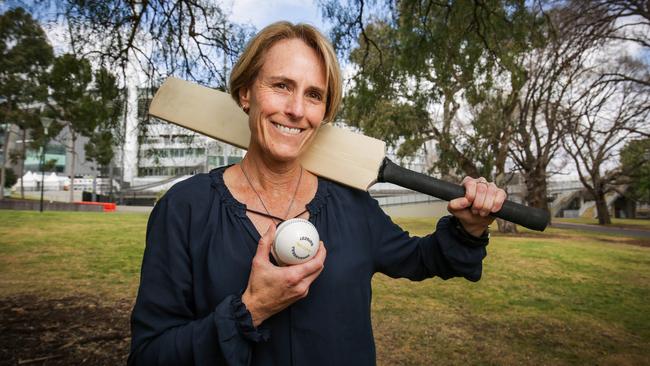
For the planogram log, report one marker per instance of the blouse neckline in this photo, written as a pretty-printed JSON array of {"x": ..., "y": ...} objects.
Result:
[{"x": 239, "y": 209}]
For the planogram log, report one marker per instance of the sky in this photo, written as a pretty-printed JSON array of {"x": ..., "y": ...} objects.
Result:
[
  {"x": 255, "y": 12},
  {"x": 262, "y": 13}
]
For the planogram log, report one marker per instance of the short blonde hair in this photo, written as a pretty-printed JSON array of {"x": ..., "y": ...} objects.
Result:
[{"x": 250, "y": 62}]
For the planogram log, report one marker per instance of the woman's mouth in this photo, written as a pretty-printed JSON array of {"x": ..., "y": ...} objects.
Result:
[{"x": 287, "y": 130}]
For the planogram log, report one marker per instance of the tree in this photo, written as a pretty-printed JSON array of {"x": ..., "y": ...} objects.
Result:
[
  {"x": 635, "y": 165},
  {"x": 85, "y": 104},
  {"x": 145, "y": 41},
  {"x": 188, "y": 38},
  {"x": 629, "y": 21},
  {"x": 104, "y": 136},
  {"x": 551, "y": 73},
  {"x": 608, "y": 115},
  {"x": 25, "y": 56},
  {"x": 419, "y": 67}
]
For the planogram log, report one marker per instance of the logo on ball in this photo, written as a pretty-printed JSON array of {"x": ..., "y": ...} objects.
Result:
[{"x": 296, "y": 241}]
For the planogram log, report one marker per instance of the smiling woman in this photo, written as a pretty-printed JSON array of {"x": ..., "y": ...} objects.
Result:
[{"x": 209, "y": 291}]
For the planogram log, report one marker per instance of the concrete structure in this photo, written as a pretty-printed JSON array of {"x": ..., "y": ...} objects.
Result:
[
  {"x": 568, "y": 198},
  {"x": 33, "y": 205}
]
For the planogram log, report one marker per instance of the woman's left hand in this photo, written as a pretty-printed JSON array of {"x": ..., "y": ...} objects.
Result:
[{"x": 481, "y": 199}]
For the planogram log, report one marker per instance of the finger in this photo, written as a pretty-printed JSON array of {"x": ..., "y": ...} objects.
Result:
[
  {"x": 499, "y": 200},
  {"x": 458, "y": 204},
  {"x": 489, "y": 199},
  {"x": 479, "y": 200},
  {"x": 470, "y": 189},
  {"x": 264, "y": 245},
  {"x": 467, "y": 178},
  {"x": 313, "y": 265},
  {"x": 312, "y": 277}
]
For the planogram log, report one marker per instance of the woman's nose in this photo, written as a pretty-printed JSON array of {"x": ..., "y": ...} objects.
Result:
[{"x": 295, "y": 106}]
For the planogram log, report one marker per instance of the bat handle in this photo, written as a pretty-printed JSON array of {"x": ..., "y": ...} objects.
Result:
[{"x": 530, "y": 217}]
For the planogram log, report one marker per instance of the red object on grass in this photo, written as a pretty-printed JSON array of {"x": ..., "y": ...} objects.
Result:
[{"x": 108, "y": 206}]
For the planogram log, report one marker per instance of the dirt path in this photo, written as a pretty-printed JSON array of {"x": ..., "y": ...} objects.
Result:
[
  {"x": 636, "y": 233},
  {"x": 67, "y": 331}
]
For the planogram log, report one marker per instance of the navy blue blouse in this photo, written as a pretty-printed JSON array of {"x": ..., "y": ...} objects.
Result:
[{"x": 197, "y": 260}]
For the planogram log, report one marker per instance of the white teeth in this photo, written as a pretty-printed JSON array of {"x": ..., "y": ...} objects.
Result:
[{"x": 287, "y": 130}]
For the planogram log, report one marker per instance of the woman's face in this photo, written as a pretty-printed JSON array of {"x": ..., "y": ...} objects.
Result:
[{"x": 287, "y": 100}]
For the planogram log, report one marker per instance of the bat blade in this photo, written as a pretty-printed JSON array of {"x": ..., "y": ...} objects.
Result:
[
  {"x": 343, "y": 156},
  {"x": 203, "y": 110}
]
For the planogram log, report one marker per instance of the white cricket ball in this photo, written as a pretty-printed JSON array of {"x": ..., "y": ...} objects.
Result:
[{"x": 296, "y": 241}]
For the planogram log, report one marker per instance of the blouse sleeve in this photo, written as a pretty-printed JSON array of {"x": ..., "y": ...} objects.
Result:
[
  {"x": 165, "y": 329},
  {"x": 446, "y": 253}
]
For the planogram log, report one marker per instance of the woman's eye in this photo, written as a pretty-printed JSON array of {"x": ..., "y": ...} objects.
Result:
[
  {"x": 281, "y": 86},
  {"x": 315, "y": 95}
]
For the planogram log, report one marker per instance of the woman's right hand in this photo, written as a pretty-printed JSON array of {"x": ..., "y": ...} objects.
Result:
[{"x": 271, "y": 288}]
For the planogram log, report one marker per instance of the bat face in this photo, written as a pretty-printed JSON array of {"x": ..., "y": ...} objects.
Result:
[{"x": 345, "y": 157}]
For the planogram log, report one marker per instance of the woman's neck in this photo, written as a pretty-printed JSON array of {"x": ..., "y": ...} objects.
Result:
[{"x": 271, "y": 176}]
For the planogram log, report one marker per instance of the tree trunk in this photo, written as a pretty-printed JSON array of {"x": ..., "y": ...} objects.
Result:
[
  {"x": 601, "y": 209},
  {"x": 502, "y": 225},
  {"x": 110, "y": 181},
  {"x": 5, "y": 154},
  {"x": 94, "y": 193},
  {"x": 537, "y": 192},
  {"x": 73, "y": 152},
  {"x": 506, "y": 226},
  {"x": 22, "y": 164}
]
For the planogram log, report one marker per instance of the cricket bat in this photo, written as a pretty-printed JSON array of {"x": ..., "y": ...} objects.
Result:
[{"x": 349, "y": 158}]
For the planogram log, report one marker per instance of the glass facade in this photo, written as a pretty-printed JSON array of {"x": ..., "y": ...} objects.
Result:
[{"x": 53, "y": 152}]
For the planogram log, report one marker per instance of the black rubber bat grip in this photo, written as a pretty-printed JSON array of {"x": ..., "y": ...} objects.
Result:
[{"x": 530, "y": 217}]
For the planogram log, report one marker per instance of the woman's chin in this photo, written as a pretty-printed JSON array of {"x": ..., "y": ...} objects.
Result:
[
  {"x": 285, "y": 152},
  {"x": 285, "y": 156}
]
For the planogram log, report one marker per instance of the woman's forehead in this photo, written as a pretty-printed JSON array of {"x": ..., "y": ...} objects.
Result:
[{"x": 293, "y": 59}]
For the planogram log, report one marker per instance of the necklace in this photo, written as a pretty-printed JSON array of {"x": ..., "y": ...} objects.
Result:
[{"x": 268, "y": 214}]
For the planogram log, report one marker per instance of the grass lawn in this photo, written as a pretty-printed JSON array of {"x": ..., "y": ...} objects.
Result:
[{"x": 561, "y": 297}]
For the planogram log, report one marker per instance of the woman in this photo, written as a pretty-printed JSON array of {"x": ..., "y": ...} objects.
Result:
[{"x": 209, "y": 292}]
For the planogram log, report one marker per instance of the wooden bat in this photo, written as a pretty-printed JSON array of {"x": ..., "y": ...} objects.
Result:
[{"x": 346, "y": 157}]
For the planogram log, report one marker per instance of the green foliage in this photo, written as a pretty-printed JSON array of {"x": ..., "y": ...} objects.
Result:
[
  {"x": 88, "y": 103},
  {"x": 49, "y": 165},
  {"x": 103, "y": 139},
  {"x": 100, "y": 148},
  {"x": 419, "y": 64},
  {"x": 25, "y": 56},
  {"x": 70, "y": 81},
  {"x": 10, "y": 178},
  {"x": 635, "y": 164}
]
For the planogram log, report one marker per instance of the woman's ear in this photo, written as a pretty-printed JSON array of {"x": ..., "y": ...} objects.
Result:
[{"x": 244, "y": 99}]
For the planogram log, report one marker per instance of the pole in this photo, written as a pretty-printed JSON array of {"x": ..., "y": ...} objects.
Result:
[
  {"x": 46, "y": 123},
  {"x": 5, "y": 157},
  {"x": 94, "y": 195},
  {"x": 43, "y": 174}
]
